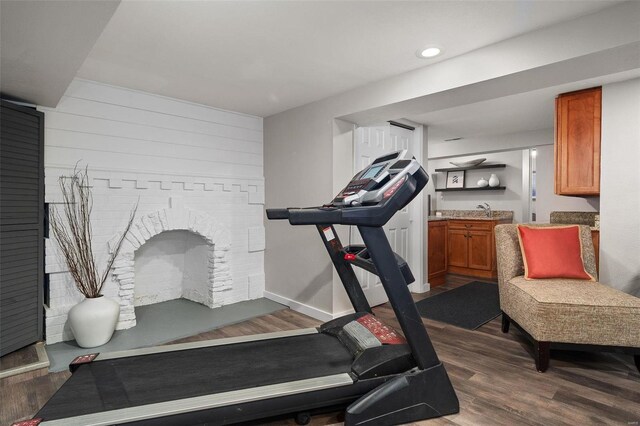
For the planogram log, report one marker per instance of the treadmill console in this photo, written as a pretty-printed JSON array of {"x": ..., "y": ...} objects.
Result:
[
  {"x": 377, "y": 181},
  {"x": 372, "y": 197}
]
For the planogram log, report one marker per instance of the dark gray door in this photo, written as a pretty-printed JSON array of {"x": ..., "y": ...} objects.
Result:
[{"x": 21, "y": 226}]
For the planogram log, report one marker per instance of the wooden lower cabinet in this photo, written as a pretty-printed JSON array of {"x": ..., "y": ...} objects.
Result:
[
  {"x": 461, "y": 246},
  {"x": 480, "y": 253},
  {"x": 458, "y": 248},
  {"x": 472, "y": 249},
  {"x": 438, "y": 252}
]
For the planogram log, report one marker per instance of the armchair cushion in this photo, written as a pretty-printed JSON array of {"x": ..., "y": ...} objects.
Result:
[
  {"x": 553, "y": 252},
  {"x": 573, "y": 311}
]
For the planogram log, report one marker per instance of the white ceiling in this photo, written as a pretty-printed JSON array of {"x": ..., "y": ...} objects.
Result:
[
  {"x": 510, "y": 114},
  {"x": 43, "y": 43},
  {"x": 263, "y": 57},
  {"x": 522, "y": 112}
]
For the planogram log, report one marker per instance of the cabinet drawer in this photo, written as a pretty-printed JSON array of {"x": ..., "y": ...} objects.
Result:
[{"x": 472, "y": 225}]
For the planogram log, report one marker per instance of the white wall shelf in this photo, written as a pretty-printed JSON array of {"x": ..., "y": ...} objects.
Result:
[
  {"x": 485, "y": 188},
  {"x": 481, "y": 166}
]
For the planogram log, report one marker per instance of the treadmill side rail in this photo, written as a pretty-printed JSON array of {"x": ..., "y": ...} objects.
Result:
[
  {"x": 204, "y": 344},
  {"x": 187, "y": 405}
]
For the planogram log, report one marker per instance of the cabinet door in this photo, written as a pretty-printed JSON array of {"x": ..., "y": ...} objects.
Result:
[
  {"x": 21, "y": 226},
  {"x": 480, "y": 253},
  {"x": 458, "y": 248},
  {"x": 437, "y": 248},
  {"x": 577, "y": 147}
]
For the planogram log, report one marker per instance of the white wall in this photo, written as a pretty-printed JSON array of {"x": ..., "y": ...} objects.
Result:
[
  {"x": 173, "y": 156},
  {"x": 510, "y": 176},
  {"x": 620, "y": 187},
  {"x": 546, "y": 199},
  {"x": 299, "y": 143},
  {"x": 298, "y": 166}
]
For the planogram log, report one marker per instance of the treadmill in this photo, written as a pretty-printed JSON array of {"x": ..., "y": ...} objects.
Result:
[{"x": 355, "y": 362}]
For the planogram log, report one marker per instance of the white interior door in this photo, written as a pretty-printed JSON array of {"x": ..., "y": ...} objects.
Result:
[{"x": 370, "y": 143}]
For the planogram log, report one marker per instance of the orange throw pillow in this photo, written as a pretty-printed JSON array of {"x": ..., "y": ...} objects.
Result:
[{"x": 554, "y": 252}]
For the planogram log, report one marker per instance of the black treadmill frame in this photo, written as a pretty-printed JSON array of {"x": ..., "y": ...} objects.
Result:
[
  {"x": 344, "y": 269},
  {"x": 420, "y": 393}
]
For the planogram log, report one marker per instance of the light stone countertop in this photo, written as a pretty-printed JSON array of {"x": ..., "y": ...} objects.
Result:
[
  {"x": 436, "y": 218},
  {"x": 574, "y": 218},
  {"x": 472, "y": 215}
]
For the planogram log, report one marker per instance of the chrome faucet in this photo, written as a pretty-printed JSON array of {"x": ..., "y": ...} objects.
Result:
[{"x": 486, "y": 207}]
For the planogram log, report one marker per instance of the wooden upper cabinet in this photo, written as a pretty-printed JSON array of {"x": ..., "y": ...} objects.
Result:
[{"x": 577, "y": 145}]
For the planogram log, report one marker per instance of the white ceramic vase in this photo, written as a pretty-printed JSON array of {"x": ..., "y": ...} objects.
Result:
[
  {"x": 493, "y": 180},
  {"x": 93, "y": 321},
  {"x": 482, "y": 183}
]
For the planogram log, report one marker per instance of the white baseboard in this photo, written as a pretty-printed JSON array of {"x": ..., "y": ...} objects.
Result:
[
  {"x": 343, "y": 313},
  {"x": 311, "y": 311},
  {"x": 319, "y": 314},
  {"x": 417, "y": 288}
]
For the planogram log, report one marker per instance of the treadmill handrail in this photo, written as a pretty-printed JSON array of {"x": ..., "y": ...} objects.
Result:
[
  {"x": 307, "y": 215},
  {"x": 277, "y": 214}
]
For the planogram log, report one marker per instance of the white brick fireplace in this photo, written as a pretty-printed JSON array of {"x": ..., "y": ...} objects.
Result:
[
  {"x": 219, "y": 280},
  {"x": 193, "y": 169}
]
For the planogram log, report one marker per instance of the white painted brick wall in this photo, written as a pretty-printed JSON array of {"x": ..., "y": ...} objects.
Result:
[
  {"x": 256, "y": 238},
  {"x": 202, "y": 168}
]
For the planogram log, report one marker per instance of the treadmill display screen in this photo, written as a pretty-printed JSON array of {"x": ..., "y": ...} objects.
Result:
[{"x": 372, "y": 172}]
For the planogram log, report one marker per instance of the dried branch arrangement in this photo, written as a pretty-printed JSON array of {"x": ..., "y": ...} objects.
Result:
[{"x": 71, "y": 225}]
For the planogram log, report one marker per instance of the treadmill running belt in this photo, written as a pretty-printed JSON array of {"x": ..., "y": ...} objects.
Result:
[{"x": 139, "y": 380}]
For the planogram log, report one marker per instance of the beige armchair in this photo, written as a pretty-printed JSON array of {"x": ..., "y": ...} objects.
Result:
[{"x": 564, "y": 313}]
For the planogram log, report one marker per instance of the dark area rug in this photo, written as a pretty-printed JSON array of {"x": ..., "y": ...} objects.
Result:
[{"x": 469, "y": 306}]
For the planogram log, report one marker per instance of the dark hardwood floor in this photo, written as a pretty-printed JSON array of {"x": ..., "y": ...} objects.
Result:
[{"x": 493, "y": 374}]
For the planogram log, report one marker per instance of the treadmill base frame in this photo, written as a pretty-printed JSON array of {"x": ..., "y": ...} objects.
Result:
[{"x": 416, "y": 395}]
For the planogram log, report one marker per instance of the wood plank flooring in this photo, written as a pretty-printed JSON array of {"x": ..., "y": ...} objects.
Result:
[
  {"x": 19, "y": 358},
  {"x": 493, "y": 374}
]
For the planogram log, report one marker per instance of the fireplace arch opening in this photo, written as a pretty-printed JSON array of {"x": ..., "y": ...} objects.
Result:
[
  {"x": 172, "y": 265},
  {"x": 196, "y": 228}
]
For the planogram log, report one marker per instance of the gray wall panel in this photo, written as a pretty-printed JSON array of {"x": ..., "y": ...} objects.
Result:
[{"x": 21, "y": 226}]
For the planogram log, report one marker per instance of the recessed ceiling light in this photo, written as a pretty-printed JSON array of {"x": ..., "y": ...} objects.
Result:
[{"x": 429, "y": 52}]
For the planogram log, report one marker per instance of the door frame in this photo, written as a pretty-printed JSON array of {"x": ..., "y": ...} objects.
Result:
[{"x": 418, "y": 245}]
